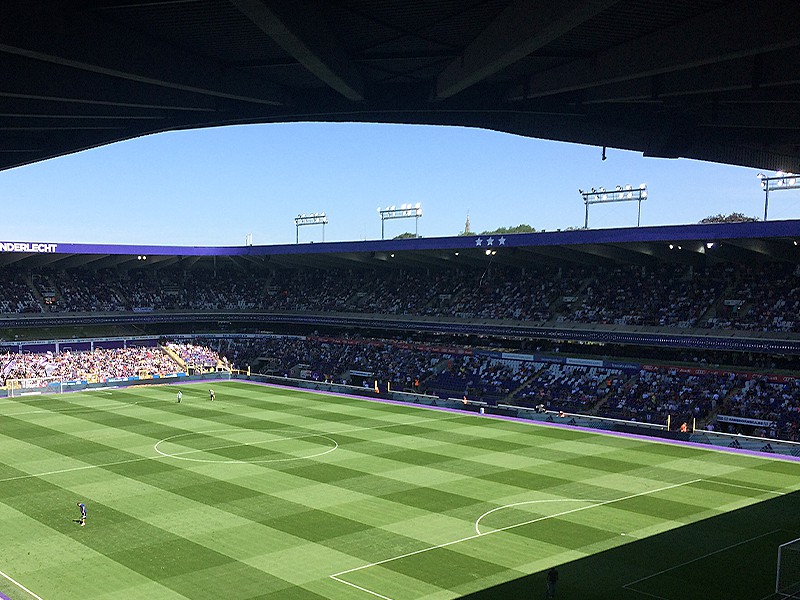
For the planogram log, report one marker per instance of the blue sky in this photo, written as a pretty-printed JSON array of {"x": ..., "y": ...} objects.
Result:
[{"x": 214, "y": 186}]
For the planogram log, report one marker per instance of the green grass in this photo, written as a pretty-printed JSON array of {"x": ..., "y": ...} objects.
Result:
[{"x": 272, "y": 494}]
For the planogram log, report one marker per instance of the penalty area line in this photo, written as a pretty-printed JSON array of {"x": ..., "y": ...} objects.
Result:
[
  {"x": 628, "y": 586},
  {"x": 337, "y": 576},
  {"x": 358, "y": 587},
  {"x": 20, "y": 586}
]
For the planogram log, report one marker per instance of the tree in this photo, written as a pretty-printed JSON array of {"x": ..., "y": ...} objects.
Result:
[
  {"x": 731, "y": 218},
  {"x": 522, "y": 228},
  {"x": 405, "y": 236}
]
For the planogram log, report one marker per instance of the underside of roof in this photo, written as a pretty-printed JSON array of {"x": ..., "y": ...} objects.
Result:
[{"x": 714, "y": 80}]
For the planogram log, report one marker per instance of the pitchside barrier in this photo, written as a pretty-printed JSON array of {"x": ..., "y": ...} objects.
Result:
[{"x": 745, "y": 442}]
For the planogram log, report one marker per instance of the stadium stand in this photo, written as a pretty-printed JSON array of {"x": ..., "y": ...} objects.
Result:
[
  {"x": 101, "y": 363},
  {"x": 736, "y": 297},
  {"x": 712, "y": 388}
]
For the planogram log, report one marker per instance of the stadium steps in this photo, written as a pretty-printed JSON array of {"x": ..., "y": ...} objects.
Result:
[
  {"x": 557, "y": 306},
  {"x": 510, "y": 399},
  {"x": 34, "y": 289},
  {"x": 174, "y": 356},
  {"x": 728, "y": 292}
]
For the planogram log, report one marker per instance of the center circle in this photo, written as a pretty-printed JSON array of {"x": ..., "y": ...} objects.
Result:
[{"x": 295, "y": 446}]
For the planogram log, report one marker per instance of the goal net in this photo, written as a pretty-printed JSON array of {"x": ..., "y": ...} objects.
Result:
[
  {"x": 34, "y": 385},
  {"x": 787, "y": 580}
]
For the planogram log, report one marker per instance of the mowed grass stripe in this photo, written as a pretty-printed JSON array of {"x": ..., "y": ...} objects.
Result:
[
  {"x": 391, "y": 489},
  {"x": 155, "y": 553}
]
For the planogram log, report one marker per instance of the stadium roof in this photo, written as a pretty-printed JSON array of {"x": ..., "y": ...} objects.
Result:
[
  {"x": 714, "y": 80},
  {"x": 688, "y": 244}
]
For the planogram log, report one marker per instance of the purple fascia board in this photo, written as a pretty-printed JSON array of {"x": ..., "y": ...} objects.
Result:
[{"x": 670, "y": 233}]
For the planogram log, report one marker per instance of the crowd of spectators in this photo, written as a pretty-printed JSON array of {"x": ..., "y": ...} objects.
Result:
[
  {"x": 665, "y": 296},
  {"x": 653, "y": 394},
  {"x": 197, "y": 355},
  {"x": 484, "y": 379},
  {"x": 401, "y": 364},
  {"x": 569, "y": 388},
  {"x": 75, "y": 365},
  {"x": 774, "y": 401},
  {"x": 16, "y": 295},
  {"x": 763, "y": 297}
]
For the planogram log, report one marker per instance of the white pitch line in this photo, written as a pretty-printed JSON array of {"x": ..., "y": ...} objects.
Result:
[
  {"x": 336, "y": 576},
  {"x": 688, "y": 562},
  {"x": 20, "y": 586},
  {"x": 505, "y": 506},
  {"x": 181, "y": 455},
  {"x": 358, "y": 587},
  {"x": 647, "y": 594},
  {"x": 82, "y": 468},
  {"x": 747, "y": 487}
]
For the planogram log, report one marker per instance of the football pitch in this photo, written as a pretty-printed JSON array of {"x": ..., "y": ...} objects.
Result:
[{"x": 273, "y": 493}]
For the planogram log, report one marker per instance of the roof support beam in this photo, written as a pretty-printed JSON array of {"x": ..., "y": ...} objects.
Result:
[
  {"x": 522, "y": 28},
  {"x": 759, "y": 117},
  {"x": 46, "y": 82},
  {"x": 51, "y": 33},
  {"x": 759, "y": 27},
  {"x": 34, "y": 109},
  {"x": 752, "y": 73},
  {"x": 12, "y": 143},
  {"x": 309, "y": 41}
]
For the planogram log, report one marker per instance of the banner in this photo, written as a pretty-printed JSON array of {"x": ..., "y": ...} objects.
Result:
[
  {"x": 745, "y": 421},
  {"x": 27, "y": 247}
]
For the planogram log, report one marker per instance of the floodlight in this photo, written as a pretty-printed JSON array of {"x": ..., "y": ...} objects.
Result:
[
  {"x": 618, "y": 194},
  {"x": 314, "y": 218},
  {"x": 783, "y": 180},
  {"x": 405, "y": 211}
]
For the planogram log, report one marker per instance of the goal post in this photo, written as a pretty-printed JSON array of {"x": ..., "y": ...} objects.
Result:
[
  {"x": 34, "y": 385},
  {"x": 787, "y": 577}
]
